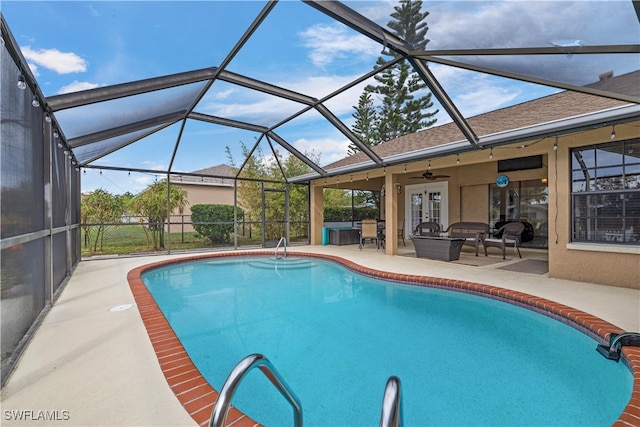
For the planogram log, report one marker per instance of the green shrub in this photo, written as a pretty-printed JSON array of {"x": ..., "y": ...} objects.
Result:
[
  {"x": 343, "y": 214},
  {"x": 217, "y": 219}
]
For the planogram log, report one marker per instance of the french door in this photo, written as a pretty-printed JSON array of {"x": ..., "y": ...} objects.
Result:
[{"x": 426, "y": 202}]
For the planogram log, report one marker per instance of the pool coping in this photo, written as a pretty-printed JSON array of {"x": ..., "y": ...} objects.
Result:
[{"x": 198, "y": 397}]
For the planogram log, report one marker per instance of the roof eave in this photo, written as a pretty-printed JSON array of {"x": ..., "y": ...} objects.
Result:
[{"x": 557, "y": 127}]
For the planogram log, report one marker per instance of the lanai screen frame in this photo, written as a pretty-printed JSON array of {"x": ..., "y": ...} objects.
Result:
[{"x": 55, "y": 229}]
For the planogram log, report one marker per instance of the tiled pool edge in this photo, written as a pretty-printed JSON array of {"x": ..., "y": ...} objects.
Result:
[{"x": 198, "y": 397}]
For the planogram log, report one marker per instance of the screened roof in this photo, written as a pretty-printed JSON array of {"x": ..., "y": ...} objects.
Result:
[{"x": 185, "y": 84}]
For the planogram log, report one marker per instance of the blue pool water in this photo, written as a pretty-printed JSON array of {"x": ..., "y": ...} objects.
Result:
[{"x": 337, "y": 336}]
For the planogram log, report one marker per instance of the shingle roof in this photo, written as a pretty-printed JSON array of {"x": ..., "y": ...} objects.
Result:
[
  {"x": 210, "y": 175},
  {"x": 547, "y": 109}
]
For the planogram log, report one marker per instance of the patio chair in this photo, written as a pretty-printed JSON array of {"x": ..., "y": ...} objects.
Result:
[
  {"x": 401, "y": 233},
  {"x": 511, "y": 233},
  {"x": 428, "y": 229},
  {"x": 369, "y": 231}
]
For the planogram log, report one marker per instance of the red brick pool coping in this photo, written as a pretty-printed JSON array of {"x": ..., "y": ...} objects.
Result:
[{"x": 198, "y": 397}]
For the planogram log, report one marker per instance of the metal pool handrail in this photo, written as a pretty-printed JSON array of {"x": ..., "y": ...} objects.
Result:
[
  {"x": 282, "y": 240},
  {"x": 221, "y": 408},
  {"x": 392, "y": 404}
]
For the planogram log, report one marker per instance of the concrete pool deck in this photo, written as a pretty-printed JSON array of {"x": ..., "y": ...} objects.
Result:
[{"x": 89, "y": 366}]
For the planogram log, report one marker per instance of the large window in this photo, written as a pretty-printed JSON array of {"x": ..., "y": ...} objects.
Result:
[
  {"x": 605, "y": 193},
  {"x": 524, "y": 201}
]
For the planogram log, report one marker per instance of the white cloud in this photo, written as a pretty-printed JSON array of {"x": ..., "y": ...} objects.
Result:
[
  {"x": 142, "y": 180},
  {"x": 330, "y": 149},
  {"x": 518, "y": 24},
  {"x": 224, "y": 94},
  {"x": 475, "y": 93},
  {"x": 154, "y": 165},
  {"x": 77, "y": 86},
  {"x": 53, "y": 59},
  {"x": 331, "y": 42},
  {"x": 34, "y": 69}
]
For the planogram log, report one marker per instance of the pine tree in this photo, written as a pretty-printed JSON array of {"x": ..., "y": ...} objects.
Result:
[
  {"x": 400, "y": 112},
  {"x": 365, "y": 126}
]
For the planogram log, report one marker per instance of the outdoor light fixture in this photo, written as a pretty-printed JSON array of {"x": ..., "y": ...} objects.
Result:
[
  {"x": 55, "y": 133},
  {"x": 35, "y": 101},
  {"x": 458, "y": 159},
  {"x": 398, "y": 188},
  {"x": 429, "y": 165},
  {"x": 47, "y": 118},
  {"x": 613, "y": 132},
  {"x": 21, "y": 83},
  {"x": 59, "y": 144},
  {"x": 491, "y": 153}
]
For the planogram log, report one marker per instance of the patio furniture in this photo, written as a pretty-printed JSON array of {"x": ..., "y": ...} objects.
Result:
[
  {"x": 442, "y": 248},
  {"x": 401, "y": 233},
  {"x": 369, "y": 231},
  {"x": 474, "y": 233},
  {"x": 510, "y": 234},
  {"x": 428, "y": 228},
  {"x": 344, "y": 236}
]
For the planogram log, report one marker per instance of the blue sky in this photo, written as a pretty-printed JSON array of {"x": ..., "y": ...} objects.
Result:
[{"x": 80, "y": 45}]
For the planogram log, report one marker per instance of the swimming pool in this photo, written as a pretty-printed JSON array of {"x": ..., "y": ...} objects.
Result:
[{"x": 443, "y": 376}]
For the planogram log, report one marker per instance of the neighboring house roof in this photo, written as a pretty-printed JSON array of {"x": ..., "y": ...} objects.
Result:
[
  {"x": 547, "y": 109},
  {"x": 221, "y": 175}
]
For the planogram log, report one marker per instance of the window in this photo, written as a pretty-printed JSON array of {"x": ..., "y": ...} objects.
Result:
[
  {"x": 605, "y": 193},
  {"x": 524, "y": 201}
]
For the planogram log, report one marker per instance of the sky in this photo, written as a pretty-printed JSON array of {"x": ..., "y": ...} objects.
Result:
[{"x": 78, "y": 45}]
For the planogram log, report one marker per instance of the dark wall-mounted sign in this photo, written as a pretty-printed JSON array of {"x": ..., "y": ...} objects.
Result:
[{"x": 520, "y": 164}]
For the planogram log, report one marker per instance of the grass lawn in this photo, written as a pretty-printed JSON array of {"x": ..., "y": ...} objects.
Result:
[{"x": 127, "y": 239}]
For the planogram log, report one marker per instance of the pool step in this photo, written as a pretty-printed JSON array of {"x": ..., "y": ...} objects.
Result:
[{"x": 282, "y": 263}]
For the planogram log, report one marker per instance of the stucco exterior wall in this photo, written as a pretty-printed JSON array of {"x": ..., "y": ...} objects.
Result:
[
  {"x": 615, "y": 265},
  {"x": 202, "y": 195},
  {"x": 468, "y": 187}
]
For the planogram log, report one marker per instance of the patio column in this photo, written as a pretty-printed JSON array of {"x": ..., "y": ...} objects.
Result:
[
  {"x": 391, "y": 213},
  {"x": 317, "y": 213}
]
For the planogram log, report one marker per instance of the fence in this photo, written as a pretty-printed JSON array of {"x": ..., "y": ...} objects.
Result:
[{"x": 134, "y": 235}]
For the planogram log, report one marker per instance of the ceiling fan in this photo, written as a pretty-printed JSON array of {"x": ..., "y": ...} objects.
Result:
[{"x": 428, "y": 175}]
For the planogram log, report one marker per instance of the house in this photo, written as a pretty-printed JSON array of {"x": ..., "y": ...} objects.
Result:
[
  {"x": 211, "y": 186},
  {"x": 569, "y": 163}
]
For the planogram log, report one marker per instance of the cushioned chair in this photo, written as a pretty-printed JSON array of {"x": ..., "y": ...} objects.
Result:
[
  {"x": 369, "y": 231},
  {"x": 428, "y": 229},
  {"x": 510, "y": 233}
]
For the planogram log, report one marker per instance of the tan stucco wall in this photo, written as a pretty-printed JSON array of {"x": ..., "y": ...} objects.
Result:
[
  {"x": 468, "y": 200},
  {"x": 604, "y": 264},
  {"x": 202, "y": 195},
  {"x": 474, "y": 201}
]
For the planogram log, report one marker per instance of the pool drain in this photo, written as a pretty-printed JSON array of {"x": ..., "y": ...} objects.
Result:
[{"x": 121, "y": 307}]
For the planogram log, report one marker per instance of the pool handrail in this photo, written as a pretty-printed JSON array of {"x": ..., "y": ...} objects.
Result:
[
  {"x": 392, "y": 404},
  {"x": 221, "y": 408},
  {"x": 282, "y": 240}
]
